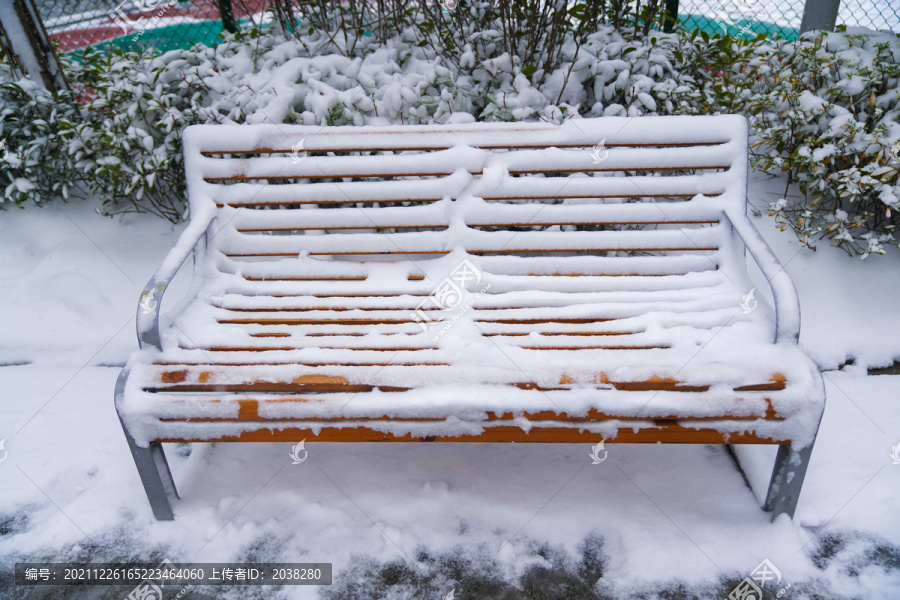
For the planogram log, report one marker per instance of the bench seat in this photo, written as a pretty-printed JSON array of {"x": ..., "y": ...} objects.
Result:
[{"x": 433, "y": 284}]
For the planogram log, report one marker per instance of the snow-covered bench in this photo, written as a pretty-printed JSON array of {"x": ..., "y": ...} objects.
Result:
[{"x": 520, "y": 282}]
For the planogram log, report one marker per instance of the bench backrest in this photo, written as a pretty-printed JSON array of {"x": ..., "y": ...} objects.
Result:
[{"x": 649, "y": 188}]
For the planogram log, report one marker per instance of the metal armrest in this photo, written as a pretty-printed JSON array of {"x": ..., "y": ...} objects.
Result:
[
  {"x": 148, "y": 307},
  {"x": 787, "y": 303}
]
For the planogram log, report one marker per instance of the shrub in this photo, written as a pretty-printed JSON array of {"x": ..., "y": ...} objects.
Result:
[
  {"x": 117, "y": 135},
  {"x": 35, "y": 127},
  {"x": 127, "y": 146},
  {"x": 826, "y": 110}
]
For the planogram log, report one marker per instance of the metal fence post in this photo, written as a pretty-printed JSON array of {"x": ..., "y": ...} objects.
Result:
[
  {"x": 25, "y": 40},
  {"x": 228, "y": 22},
  {"x": 819, "y": 15},
  {"x": 671, "y": 16}
]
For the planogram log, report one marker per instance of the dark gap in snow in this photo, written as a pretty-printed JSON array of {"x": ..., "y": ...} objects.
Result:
[{"x": 893, "y": 369}]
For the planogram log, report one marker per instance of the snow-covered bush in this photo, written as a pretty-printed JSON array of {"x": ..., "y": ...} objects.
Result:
[
  {"x": 826, "y": 110},
  {"x": 120, "y": 135},
  {"x": 34, "y": 128},
  {"x": 535, "y": 32},
  {"x": 126, "y": 146}
]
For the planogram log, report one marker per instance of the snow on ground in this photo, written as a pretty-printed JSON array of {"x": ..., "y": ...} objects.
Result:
[{"x": 416, "y": 520}]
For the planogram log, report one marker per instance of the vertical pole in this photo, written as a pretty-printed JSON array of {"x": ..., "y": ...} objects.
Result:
[
  {"x": 819, "y": 15},
  {"x": 787, "y": 480},
  {"x": 152, "y": 466},
  {"x": 26, "y": 43},
  {"x": 671, "y": 15},
  {"x": 227, "y": 13}
]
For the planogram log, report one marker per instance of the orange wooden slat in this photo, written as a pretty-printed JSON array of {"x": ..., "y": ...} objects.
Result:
[
  {"x": 330, "y": 347},
  {"x": 427, "y": 147},
  {"x": 560, "y": 333},
  {"x": 249, "y": 411},
  {"x": 478, "y": 251},
  {"x": 591, "y": 196},
  {"x": 442, "y": 227},
  {"x": 321, "y": 174},
  {"x": 571, "y": 348},
  {"x": 662, "y": 432}
]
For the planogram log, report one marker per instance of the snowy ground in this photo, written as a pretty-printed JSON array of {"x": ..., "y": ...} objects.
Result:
[{"x": 415, "y": 521}]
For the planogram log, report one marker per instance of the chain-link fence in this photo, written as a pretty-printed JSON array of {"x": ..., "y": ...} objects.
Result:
[
  {"x": 873, "y": 14},
  {"x": 133, "y": 24},
  {"x": 167, "y": 24},
  {"x": 780, "y": 17}
]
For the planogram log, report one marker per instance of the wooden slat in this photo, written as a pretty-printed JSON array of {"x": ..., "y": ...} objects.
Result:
[
  {"x": 411, "y": 147},
  {"x": 477, "y": 242},
  {"x": 484, "y": 226},
  {"x": 494, "y": 214},
  {"x": 249, "y": 411},
  {"x": 334, "y": 346},
  {"x": 434, "y": 190},
  {"x": 275, "y": 387},
  {"x": 334, "y": 173},
  {"x": 178, "y": 380},
  {"x": 661, "y": 432},
  {"x": 560, "y": 333},
  {"x": 671, "y": 131},
  {"x": 499, "y": 264},
  {"x": 295, "y": 321},
  {"x": 304, "y": 278},
  {"x": 327, "y": 347},
  {"x": 167, "y": 376},
  {"x": 287, "y": 309},
  {"x": 609, "y": 347},
  {"x": 519, "y": 162},
  {"x": 657, "y": 384}
]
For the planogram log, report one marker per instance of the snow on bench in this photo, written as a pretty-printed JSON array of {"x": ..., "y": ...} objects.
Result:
[{"x": 521, "y": 282}]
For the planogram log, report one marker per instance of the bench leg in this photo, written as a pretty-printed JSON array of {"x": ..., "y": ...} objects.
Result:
[
  {"x": 787, "y": 479},
  {"x": 153, "y": 468}
]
